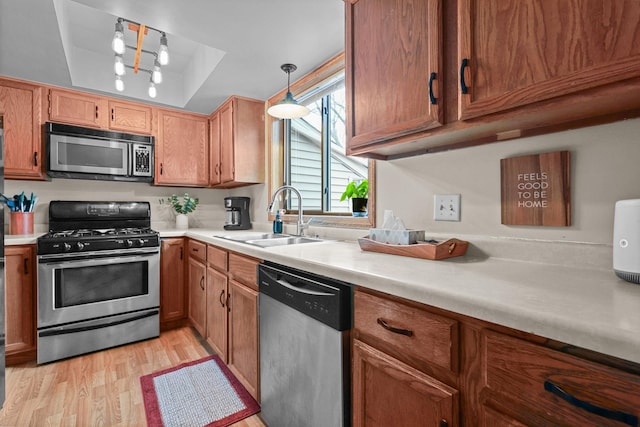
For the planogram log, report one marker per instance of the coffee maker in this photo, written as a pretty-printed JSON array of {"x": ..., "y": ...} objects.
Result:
[{"x": 237, "y": 213}]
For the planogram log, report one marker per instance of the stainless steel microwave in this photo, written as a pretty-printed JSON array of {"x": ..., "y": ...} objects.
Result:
[{"x": 85, "y": 153}]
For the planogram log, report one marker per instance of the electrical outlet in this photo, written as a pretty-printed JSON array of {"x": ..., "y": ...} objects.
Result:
[{"x": 446, "y": 207}]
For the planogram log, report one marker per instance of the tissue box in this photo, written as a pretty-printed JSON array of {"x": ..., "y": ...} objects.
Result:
[{"x": 396, "y": 237}]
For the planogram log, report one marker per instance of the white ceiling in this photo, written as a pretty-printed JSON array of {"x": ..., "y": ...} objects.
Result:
[{"x": 217, "y": 48}]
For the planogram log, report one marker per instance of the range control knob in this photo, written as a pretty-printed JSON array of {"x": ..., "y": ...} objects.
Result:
[
  {"x": 129, "y": 243},
  {"x": 140, "y": 242},
  {"x": 80, "y": 246},
  {"x": 66, "y": 247}
]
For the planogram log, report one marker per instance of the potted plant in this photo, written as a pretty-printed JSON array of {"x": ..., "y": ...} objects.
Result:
[
  {"x": 358, "y": 193},
  {"x": 182, "y": 207}
]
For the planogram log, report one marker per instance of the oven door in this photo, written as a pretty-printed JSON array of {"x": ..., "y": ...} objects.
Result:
[{"x": 81, "y": 287}]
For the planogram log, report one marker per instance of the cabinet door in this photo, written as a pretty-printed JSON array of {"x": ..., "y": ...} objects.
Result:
[
  {"x": 214, "y": 149},
  {"x": 21, "y": 109},
  {"x": 197, "y": 295},
  {"x": 182, "y": 150},
  {"x": 172, "y": 283},
  {"x": 19, "y": 297},
  {"x": 129, "y": 117},
  {"x": 217, "y": 312},
  {"x": 387, "y": 392},
  {"x": 393, "y": 55},
  {"x": 519, "y": 52},
  {"x": 243, "y": 336},
  {"x": 77, "y": 108},
  {"x": 227, "y": 167}
]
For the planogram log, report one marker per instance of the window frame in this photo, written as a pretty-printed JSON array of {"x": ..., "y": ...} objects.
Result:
[{"x": 275, "y": 144}]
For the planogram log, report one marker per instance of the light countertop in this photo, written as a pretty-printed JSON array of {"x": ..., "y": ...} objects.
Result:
[{"x": 586, "y": 307}]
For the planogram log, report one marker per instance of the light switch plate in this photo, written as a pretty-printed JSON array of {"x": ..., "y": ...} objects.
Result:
[{"x": 446, "y": 207}]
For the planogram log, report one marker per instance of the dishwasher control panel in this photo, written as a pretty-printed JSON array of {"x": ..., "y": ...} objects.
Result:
[{"x": 326, "y": 300}]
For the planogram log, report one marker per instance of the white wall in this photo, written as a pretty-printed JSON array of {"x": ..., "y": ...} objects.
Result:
[{"x": 605, "y": 167}]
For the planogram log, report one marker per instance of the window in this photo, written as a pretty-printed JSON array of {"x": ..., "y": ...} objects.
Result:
[
  {"x": 314, "y": 150},
  {"x": 310, "y": 153}
]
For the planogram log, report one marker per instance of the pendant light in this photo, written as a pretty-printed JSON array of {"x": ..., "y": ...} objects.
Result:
[{"x": 288, "y": 108}]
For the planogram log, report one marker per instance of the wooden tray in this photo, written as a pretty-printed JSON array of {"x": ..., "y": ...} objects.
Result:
[{"x": 444, "y": 249}]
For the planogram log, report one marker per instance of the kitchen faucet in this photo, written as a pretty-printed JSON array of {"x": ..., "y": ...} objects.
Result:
[{"x": 301, "y": 225}]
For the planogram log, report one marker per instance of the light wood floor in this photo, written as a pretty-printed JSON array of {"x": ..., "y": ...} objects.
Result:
[{"x": 98, "y": 389}]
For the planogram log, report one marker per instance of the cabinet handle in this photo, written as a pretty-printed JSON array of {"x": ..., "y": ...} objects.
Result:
[
  {"x": 35, "y": 158},
  {"x": 194, "y": 249},
  {"x": 96, "y": 111},
  {"x": 390, "y": 328},
  {"x": 432, "y": 98},
  {"x": 444, "y": 423},
  {"x": 202, "y": 283},
  {"x": 217, "y": 169},
  {"x": 181, "y": 253},
  {"x": 160, "y": 168},
  {"x": 229, "y": 301},
  {"x": 26, "y": 266},
  {"x": 113, "y": 115},
  {"x": 463, "y": 85},
  {"x": 221, "y": 298},
  {"x": 609, "y": 414}
]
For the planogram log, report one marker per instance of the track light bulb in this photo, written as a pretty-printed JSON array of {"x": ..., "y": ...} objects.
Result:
[
  {"x": 156, "y": 74},
  {"x": 118, "y": 66},
  {"x": 119, "y": 84},
  {"x": 163, "y": 52},
  {"x": 117, "y": 44},
  {"x": 152, "y": 90}
]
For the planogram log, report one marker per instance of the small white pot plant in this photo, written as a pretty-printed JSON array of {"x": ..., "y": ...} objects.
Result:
[
  {"x": 358, "y": 193},
  {"x": 182, "y": 207}
]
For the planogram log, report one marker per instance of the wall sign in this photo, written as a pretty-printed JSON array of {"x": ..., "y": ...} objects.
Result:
[{"x": 535, "y": 189}]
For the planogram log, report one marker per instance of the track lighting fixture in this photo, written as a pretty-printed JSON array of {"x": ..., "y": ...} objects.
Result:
[{"x": 161, "y": 57}]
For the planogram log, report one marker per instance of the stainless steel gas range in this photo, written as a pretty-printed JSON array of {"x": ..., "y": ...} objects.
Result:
[{"x": 98, "y": 278}]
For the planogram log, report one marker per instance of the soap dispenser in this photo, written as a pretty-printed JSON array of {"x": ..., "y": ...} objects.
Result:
[{"x": 277, "y": 223}]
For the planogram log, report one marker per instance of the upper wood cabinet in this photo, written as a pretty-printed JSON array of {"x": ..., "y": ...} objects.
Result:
[
  {"x": 182, "y": 149},
  {"x": 237, "y": 143},
  {"x": 77, "y": 108},
  {"x": 503, "y": 69},
  {"x": 518, "y": 54},
  {"x": 393, "y": 68},
  {"x": 21, "y": 110},
  {"x": 130, "y": 117}
]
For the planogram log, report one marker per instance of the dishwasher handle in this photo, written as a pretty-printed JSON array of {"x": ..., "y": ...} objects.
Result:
[
  {"x": 288, "y": 285},
  {"x": 304, "y": 291}
]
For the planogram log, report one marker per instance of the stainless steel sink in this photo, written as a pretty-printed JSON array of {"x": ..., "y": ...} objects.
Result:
[
  {"x": 267, "y": 240},
  {"x": 293, "y": 240}
]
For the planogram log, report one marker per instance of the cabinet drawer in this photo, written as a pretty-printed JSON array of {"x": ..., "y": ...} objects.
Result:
[
  {"x": 197, "y": 250},
  {"x": 408, "y": 330},
  {"x": 538, "y": 382},
  {"x": 244, "y": 270},
  {"x": 217, "y": 258}
]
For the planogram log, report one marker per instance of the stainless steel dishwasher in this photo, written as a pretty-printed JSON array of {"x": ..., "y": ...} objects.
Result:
[{"x": 304, "y": 348}]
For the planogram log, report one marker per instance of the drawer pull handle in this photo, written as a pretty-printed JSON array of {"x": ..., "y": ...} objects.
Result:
[
  {"x": 609, "y": 414},
  {"x": 463, "y": 84},
  {"x": 390, "y": 328},
  {"x": 432, "y": 98}
]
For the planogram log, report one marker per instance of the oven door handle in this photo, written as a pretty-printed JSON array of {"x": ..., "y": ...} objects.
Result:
[
  {"x": 62, "y": 330},
  {"x": 94, "y": 259}
]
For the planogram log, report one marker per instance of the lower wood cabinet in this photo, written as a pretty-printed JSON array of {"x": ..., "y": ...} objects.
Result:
[
  {"x": 415, "y": 365},
  {"x": 388, "y": 392},
  {"x": 20, "y": 304},
  {"x": 196, "y": 282},
  {"x": 173, "y": 307},
  {"x": 243, "y": 354}
]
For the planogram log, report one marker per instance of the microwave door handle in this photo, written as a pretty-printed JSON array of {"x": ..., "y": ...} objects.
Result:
[{"x": 130, "y": 157}]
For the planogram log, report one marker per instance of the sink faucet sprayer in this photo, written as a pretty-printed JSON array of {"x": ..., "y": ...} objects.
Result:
[{"x": 301, "y": 225}]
